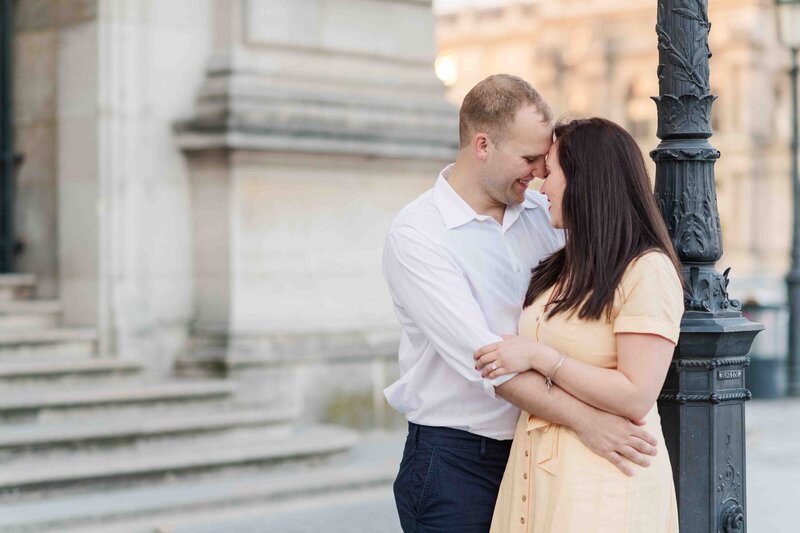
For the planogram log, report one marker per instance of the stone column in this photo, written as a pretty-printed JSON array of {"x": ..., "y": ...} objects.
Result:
[
  {"x": 317, "y": 122},
  {"x": 123, "y": 70}
]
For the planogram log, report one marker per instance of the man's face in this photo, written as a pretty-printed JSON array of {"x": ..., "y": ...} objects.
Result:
[{"x": 519, "y": 158}]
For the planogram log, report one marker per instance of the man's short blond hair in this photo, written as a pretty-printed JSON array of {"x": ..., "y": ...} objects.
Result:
[{"x": 491, "y": 105}]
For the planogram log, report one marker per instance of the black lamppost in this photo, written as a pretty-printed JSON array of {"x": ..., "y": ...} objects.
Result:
[
  {"x": 789, "y": 29},
  {"x": 702, "y": 402}
]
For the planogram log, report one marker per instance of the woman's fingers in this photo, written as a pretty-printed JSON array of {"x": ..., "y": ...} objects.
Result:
[
  {"x": 642, "y": 446},
  {"x": 486, "y": 349},
  {"x": 490, "y": 366},
  {"x": 487, "y": 365},
  {"x": 485, "y": 360},
  {"x": 638, "y": 433},
  {"x": 621, "y": 463},
  {"x": 634, "y": 456},
  {"x": 491, "y": 374}
]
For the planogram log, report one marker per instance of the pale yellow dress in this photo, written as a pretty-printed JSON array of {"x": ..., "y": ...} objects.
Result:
[{"x": 555, "y": 484}]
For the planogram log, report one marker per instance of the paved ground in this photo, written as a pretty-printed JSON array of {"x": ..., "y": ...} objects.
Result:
[
  {"x": 773, "y": 465},
  {"x": 773, "y": 488}
]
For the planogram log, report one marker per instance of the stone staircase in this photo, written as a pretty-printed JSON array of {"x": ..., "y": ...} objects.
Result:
[{"x": 77, "y": 424}]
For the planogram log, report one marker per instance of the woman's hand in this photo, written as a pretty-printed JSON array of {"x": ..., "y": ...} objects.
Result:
[{"x": 512, "y": 354}]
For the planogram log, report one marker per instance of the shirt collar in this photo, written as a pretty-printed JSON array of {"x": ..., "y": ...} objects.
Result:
[{"x": 457, "y": 212}]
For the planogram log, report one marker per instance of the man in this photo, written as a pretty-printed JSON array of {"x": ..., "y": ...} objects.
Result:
[{"x": 457, "y": 261}]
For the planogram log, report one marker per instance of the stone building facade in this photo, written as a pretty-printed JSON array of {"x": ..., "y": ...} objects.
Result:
[{"x": 208, "y": 183}]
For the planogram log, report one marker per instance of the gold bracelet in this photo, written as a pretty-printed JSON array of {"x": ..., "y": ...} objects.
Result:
[{"x": 548, "y": 380}]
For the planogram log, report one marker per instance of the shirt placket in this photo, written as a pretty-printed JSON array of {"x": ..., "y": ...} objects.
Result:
[{"x": 516, "y": 264}]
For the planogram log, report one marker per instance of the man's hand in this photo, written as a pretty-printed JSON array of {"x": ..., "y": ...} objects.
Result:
[
  {"x": 610, "y": 436},
  {"x": 617, "y": 439}
]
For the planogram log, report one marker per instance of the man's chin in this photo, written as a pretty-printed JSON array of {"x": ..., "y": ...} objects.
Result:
[{"x": 516, "y": 199}]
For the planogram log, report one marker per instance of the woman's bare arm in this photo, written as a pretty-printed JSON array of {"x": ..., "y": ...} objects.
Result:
[{"x": 630, "y": 390}]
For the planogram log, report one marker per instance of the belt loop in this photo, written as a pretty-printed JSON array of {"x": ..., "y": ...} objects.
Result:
[
  {"x": 414, "y": 432},
  {"x": 483, "y": 446}
]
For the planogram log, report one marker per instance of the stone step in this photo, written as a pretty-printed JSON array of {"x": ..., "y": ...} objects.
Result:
[
  {"x": 82, "y": 405},
  {"x": 28, "y": 314},
  {"x": 139, "y": 432},
  {"x": 17, "y": 286},
  {"x": 371, "y": 465},
  {"x": 42, "y": 475},
  {"x": 65, "y": 373},
  {"x": 60, "y": 342},
  {"x": 371, "y": 509}
]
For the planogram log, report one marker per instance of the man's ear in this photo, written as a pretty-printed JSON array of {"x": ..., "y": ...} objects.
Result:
[{"x": 481, "y": 145}]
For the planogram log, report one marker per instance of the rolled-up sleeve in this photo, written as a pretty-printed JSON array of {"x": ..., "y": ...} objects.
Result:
[
  {"x": 653, "y": 298},
  {"x": 434, "y": 292}
]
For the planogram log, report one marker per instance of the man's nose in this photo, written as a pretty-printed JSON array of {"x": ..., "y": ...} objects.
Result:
[{"x": 539, "y": 170}]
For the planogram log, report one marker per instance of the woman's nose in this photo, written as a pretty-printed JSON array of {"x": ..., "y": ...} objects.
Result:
[{"x": 543, "y": 178}]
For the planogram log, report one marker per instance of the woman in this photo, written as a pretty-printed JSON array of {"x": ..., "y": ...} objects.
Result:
[{"x": 601, "y": 319}]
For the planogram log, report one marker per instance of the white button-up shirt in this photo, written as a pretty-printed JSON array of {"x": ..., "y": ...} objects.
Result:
[{"x": 458, "y": 280}]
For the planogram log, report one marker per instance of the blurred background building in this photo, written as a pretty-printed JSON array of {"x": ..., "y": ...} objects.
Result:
[{"x": 598, "y": 57}]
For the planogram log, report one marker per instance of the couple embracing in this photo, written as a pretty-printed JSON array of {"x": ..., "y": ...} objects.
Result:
[{"x": 537, "y": 329}]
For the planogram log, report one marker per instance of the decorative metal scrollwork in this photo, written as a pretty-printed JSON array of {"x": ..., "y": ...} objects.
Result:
[
  {"x": 707, "y": 291},
  {"x": 732, "y": 517},
  {"x": 688, "y": 55},
  {"x": 730, "y": 485}
]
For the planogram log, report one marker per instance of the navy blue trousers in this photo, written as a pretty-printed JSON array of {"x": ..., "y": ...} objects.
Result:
[{"x": 448, "y": 480}]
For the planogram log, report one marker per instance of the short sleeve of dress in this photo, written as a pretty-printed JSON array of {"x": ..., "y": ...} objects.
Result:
[{"x": 652, "y": 298}]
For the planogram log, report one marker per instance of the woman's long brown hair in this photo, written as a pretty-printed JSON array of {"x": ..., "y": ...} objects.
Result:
[{"x": 610, "y": 217}]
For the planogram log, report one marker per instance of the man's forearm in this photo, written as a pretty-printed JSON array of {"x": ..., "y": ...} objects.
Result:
[{"x": 528, "y": 392}]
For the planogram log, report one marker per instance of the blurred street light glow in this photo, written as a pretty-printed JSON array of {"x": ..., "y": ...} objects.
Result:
[{"x": 446, "y": 69}]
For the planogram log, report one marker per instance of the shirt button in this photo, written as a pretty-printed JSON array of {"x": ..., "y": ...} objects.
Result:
[
  {"x": 522, "y": 520},
  {"x": 525, "y": 475},
  {"x": 524, "y": 498},
  {"x": 526, "y": 453}
]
